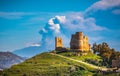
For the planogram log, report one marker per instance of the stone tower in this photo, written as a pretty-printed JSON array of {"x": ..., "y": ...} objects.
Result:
[
  {"x": 58, "y": 42},
  {"x": 79, "y": 42}
]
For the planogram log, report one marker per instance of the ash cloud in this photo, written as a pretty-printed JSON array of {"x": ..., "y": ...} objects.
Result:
[{"x": 51, "y": 29}]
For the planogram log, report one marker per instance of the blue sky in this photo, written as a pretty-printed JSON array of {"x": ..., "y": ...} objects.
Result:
[{"x": 22, "y": 20}]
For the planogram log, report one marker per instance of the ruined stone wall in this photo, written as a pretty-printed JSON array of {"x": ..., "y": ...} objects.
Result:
[
  {"x": 58, "y": 42},
  {"x": 86, "y": 45},
  {"x": 80, "y": 42}
]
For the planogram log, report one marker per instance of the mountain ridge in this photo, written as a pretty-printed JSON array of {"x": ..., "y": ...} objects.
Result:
[
  {"x": 29, "y": 51},
  {"x": 7, "y": 59}
]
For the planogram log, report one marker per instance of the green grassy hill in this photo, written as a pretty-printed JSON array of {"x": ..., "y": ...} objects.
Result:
[
  {"x": 47, "y": 64},
  {"x": 89, "y": 58}
]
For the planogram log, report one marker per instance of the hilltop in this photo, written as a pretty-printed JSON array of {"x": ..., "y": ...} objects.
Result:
[
  {"x": 78, "y": 60},
  {"x": 49, "y": 64}
]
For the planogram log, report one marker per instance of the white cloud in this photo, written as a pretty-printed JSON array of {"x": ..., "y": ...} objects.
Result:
[
  {"x": 90, "y": 23},
  {"x": 14, "y": 15},
  {"x": 35, "y": 44},
  {"x": 32, "y": 44},
  {"x": 79, "y": 22},
  {"x": 51, "y": 29},
  {"x": 54, "y": 24},
  {"x": 61, "y": 19},
  {"x": 116, "y": 11},
  {"x": 65, "y": 26},
  {"x": 103, "y": 5}
]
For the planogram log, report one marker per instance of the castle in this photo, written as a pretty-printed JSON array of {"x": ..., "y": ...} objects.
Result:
[{"x": 78, "y": 42}]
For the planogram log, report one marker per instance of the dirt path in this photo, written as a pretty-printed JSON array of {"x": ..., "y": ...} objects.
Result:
[{"x": 96, "y": 67}]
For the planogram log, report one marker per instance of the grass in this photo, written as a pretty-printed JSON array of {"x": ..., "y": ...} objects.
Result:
[
  {"x": 89, "y": 58},
  {"x": 83, "y": 57},
  {"x": 44, "y": 64}
]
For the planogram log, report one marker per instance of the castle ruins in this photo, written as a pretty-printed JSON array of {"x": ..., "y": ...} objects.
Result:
[
  {"x": 78, "y": 42},
  {"x": 58, "y": 42}
]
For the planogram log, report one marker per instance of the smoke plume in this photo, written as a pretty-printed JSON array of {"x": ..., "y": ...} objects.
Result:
[{"x": 64, "y": 26}]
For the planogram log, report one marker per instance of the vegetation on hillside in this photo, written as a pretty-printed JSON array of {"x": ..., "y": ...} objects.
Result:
[
  {"x": 106, "y": 53},
  {"x": 46, "y": 64},
  {"x": 90, "y": 58}
]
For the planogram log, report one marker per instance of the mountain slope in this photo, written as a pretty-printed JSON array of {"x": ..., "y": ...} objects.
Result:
[
  {"x": 46, "y": 64},
  {"x": 7, "y": 59}
]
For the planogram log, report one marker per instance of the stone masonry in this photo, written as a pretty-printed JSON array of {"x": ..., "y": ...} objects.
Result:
[
  {"x": 79, "y": 42},
  {"x": 58, "y": 42}
]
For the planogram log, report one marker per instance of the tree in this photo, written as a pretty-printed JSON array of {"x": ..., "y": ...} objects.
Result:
[{"x": 105, "y": 52}]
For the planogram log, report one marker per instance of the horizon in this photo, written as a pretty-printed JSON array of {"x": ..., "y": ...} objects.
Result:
[{"x": 36, "y": 23}]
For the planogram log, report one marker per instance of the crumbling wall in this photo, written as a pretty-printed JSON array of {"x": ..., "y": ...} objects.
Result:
[
  {"x": 58, "y": 42},
  {"x": 79, "y": 42}
]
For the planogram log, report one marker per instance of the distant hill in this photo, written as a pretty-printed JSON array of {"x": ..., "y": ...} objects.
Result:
[
  {"x": 29, "y": 51},
  {"x": 7, "y": 59}
]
